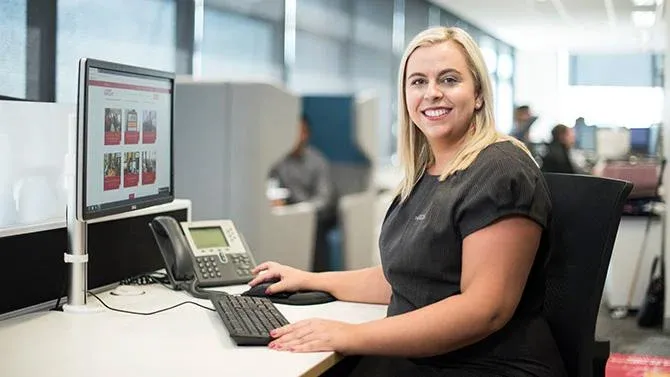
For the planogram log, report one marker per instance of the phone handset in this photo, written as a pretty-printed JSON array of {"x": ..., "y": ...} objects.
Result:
[{"x": 174, "y": 249}]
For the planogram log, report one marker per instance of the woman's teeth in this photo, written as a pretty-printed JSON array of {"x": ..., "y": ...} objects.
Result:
[{"x": 435, "y": 112}]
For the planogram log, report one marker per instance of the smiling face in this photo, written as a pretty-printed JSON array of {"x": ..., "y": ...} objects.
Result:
[{"x": 440, "y": 93}]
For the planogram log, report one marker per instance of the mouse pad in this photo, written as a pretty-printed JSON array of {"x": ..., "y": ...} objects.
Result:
[
  {"x": 299, "y": 298},
  {"x": 302, "y": 298}
]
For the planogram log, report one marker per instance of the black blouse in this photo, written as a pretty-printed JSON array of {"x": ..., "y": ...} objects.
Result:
[{"x": 421, "y": 252}]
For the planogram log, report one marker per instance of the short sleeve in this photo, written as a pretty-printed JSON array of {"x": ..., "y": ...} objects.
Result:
[{"x": 503, "y": 187}]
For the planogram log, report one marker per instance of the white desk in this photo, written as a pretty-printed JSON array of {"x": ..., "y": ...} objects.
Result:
[{"x": 186, "y": 341}]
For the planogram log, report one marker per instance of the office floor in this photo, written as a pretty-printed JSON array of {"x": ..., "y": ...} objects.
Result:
[{"x": 627, "y": 337}]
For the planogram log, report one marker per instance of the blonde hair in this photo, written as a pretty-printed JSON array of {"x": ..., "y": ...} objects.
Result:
[{"x": 414, "y": 151}]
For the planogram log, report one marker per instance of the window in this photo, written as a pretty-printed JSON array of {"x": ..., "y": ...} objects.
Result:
[
  {"x": 373, "y": 24},
  {"x": 634, "y": 69},
  {"x": 505, "y": 64},
  {"x": 239, "y": 46},
  {"x": 324, "y": 17},
  {"x": 137, "y": 32},
  {"x": 323, "y": 36},
  {"x": 13, "y": 48},
  {"x": 504, "y": 107},
  {"x": 373, "y": 66},
  {"x": 320, "y": 65},
  {"x": 488, "y": 47},
  {"x": 416, "y": 18}
]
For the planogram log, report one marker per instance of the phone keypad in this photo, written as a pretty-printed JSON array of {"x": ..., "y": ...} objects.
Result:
[
  {"x": 242, "y": 263},
  {"x": 208, "y": 267}
]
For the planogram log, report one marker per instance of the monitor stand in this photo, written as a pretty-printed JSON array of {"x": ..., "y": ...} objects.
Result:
[
  {"x": 77, "y": 259},
  {"x": 76, "y": 255}
]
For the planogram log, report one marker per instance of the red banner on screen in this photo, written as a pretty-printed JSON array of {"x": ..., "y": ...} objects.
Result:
[
  {"x": 108, "y": 84},
  {"x": 131, "y": 137},
  {"x": 112, "y": 183},
  {"x": 130, "y": 179},
  {"x": 148, "y": 178},
  {"x": 112, "y": 138},
  {"x": 148, "y": 137}
]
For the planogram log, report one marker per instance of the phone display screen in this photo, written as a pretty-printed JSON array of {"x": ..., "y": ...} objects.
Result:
[{"x": 208, "y": 237}]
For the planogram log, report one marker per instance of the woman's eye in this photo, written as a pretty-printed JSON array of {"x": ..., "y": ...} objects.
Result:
[
  {"x": 450, "y": 80},
  {"x": 417, "y": 82}
]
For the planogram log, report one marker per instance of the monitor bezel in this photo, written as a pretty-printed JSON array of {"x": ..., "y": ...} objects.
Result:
[{"x": 85, "y": 64}]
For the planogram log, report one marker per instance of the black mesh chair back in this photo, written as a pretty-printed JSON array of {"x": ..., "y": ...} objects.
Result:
[{"x": 585, "y": 219}]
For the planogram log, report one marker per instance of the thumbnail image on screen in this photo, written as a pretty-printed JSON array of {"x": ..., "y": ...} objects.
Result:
[
  {"x": 112, "y": 126},
  {"x": 112, "y": 171},
  {"x": 148, "y": 167},
  {"x": 131, "y": 170},
  {"x": 149, "y": 127},
  {"x": 131, "y": 133}
]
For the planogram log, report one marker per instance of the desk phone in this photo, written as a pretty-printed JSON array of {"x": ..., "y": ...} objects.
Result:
[{"x": 211, "y": 252}]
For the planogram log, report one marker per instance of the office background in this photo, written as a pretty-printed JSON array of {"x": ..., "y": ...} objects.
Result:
[{"x": 312, "y": 46}]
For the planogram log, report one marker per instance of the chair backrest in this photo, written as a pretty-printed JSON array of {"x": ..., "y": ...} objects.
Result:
[{"x": 585, "y": 219}]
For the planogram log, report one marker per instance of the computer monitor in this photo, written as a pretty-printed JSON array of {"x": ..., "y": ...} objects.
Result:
[
  {"x": 640, "y": 139},
  {"x": 125, "y": 118},
  {"x": 586, "y": 138}
]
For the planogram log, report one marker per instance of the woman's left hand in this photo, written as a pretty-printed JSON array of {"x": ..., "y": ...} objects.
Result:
[{"x": 313, "y": 335}]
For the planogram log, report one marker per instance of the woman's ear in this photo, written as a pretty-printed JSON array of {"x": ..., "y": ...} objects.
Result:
[{"x": 478, "y": 103}]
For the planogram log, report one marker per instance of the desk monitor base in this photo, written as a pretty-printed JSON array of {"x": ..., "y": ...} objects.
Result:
[{"x": 82, "y": 309}]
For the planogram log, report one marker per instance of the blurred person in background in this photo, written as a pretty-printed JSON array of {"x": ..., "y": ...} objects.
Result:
[
  {"x": 305, "y": 173},
  {"x": 557, "y": 159},
  {"x": 523, "y": 120}
]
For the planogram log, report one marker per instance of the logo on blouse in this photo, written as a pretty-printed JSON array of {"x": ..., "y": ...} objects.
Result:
[{"x": 420, "y": 217}]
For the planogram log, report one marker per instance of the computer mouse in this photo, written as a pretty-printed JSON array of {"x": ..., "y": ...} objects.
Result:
[
  {"x": 289, "y": 298},
  {"x": 258, "y": 290}
]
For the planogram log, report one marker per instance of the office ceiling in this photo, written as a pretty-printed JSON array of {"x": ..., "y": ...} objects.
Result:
[{"x": 573, "y": 25}]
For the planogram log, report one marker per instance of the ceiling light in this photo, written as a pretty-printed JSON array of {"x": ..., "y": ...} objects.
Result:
[
  {"x": 643, "y": 19},
  {"x": 644, "y": 3}
]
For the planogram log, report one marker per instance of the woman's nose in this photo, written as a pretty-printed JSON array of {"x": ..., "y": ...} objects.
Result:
[{"x": 432, "y": 91}]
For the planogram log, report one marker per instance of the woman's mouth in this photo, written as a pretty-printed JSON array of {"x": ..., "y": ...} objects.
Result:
[{"x": 436, "y": 113}]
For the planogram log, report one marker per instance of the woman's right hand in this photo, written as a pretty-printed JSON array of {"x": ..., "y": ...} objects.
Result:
[{"x": 290, "y": 279}]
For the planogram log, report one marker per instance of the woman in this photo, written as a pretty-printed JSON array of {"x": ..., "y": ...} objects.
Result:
[{"x": 462, "y": 258}]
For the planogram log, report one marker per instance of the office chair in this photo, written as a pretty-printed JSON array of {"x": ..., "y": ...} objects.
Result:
[{"x": 585, "y": 219}]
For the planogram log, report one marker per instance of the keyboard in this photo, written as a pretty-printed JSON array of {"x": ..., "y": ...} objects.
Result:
[{"x": 248, "y": 320}]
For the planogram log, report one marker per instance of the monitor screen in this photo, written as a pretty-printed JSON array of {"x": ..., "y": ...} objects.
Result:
[
  {"x": 209, "y": 237},
  {"x": 639, "y": 140},
  {"x": 124, "y": 145},
  {"x": 586, "y": 138}
]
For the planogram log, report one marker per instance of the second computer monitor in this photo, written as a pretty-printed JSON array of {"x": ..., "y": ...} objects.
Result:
[
  {"x": 640, "y": 141},
  {"x": 124, "y": 138}
]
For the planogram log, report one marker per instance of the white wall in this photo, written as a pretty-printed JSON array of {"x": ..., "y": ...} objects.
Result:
[{"x": 541, "y": 79}]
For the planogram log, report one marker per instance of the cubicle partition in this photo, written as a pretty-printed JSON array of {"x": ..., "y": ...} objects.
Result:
[
  {"x": 333, "y": 124},
  {"x": 343, "y": 128},
  {"x": 227, "y": 137},
  {"x": 119, "y": 247}
]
